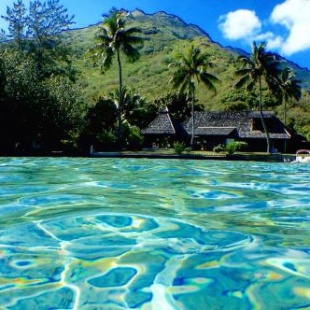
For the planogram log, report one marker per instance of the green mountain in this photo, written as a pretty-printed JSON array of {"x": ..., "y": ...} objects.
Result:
[{"x": 164, "y": 35}]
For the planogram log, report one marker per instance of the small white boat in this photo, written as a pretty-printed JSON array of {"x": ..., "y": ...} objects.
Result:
[{"x": 302, "y": 156}]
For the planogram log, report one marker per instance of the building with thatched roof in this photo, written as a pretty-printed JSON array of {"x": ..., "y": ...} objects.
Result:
[
  {"x": 213, "y": 128},
  {"x": 164, "y": 130},
  {"x": 220, "y": 128}
]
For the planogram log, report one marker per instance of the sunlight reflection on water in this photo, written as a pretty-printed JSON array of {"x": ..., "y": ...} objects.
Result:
[{"x": 147, "y": 234}]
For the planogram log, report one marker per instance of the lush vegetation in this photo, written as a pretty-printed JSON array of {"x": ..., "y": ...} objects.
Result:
[
  {"x": 190, "y": 70},
  {"x": 55, "y": 96},
  {"x": 263, "y": 66},
  {"x": 41, "y": 106}
]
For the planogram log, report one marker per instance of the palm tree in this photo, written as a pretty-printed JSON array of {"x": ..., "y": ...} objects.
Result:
[
  {"x": 190, "y": 70},
  {"x": 129, "y": 104},
  {"x": 112, "y": 39},
  {"x": 289, "y": 88},
  {"x": 259, "y": 66}
]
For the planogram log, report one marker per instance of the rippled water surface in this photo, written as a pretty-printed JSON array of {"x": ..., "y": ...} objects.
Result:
[{"x": 153, "y": 234}]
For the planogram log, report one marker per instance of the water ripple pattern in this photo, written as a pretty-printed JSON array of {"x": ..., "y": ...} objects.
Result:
[{"x": 153, "y": 234}]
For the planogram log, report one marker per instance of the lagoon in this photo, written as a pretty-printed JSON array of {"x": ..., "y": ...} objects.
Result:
[{"x": 107, "y": 233}]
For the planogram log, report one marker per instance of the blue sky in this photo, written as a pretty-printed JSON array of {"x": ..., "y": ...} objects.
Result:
[{"x": 284, "y": 24}]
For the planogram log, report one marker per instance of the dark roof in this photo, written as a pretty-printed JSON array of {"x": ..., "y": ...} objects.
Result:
[
  {"x": 241, "y": 124},
  {"x": 247, "y": 124},
  {"x": 214, "y": 131},
  {"x": 163, "y": 124}
]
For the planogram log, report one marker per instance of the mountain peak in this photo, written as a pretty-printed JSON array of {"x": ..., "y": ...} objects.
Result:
[
  {"x": 163, "y": 32},
  {"x": 138, "y": 12}
]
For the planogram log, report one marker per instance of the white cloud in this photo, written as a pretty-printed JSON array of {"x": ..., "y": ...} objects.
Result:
[
  {"x": 287, "y": 31},
  {"x": 240, "y": 24},
  {"x": 294, "y": 15},
  {"x": 274, "y": 42}
]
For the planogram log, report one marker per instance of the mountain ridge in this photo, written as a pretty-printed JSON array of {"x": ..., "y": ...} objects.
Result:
[
  {"x": 234, "y": 49},
  {"x": 164, "y": 35}
]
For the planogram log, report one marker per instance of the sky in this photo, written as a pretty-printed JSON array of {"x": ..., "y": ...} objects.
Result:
[{"x": 283, "y": 24}]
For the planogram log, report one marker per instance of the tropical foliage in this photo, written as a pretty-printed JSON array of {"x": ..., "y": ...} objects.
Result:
[
  {"x": 164, "y": 36},
  {"x": 289, "y": 88},
  {"x": 258, "y": 67},
  {"x": 36, "y": 33},
  {"x": 36, "y": 113},
  {"x": 190, "y": 69},
  {"x": 52, "y": 97},
  {"x": 112, "y": 39},
  {"x": 236, "y": 146}
]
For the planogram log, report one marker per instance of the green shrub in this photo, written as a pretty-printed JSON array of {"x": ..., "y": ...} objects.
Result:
[
  {"x": 179, "y": 147},
  {"x": 235, "y": 146},
  {"x": 219, "y": 148},
  {"x": 105, "y": 140},
  {"x": 134, "y": 138},
  {"x": 241, "y": 146},
  {"x": 231, "y": 148}
]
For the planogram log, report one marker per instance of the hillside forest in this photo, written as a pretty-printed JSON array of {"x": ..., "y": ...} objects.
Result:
[{"x": 64, "y": 89}]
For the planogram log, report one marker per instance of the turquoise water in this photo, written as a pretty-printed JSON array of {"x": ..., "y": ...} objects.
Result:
[{"x": 153, "y": 234}]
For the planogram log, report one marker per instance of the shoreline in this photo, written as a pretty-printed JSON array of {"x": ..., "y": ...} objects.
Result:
[{"x": 276, "y": 157}]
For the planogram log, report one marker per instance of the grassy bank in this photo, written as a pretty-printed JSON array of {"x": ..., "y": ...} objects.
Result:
[{"x": 170, "y": 153}]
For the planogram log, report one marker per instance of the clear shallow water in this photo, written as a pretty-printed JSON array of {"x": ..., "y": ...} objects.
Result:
[{"x": 153, "y": 234}]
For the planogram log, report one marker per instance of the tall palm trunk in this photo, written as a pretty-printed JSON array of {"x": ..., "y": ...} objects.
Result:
[
  {"x": 262, "y": 116},
  {"x": 120, "y": 103},
  {"x": 285, "y": 112},
  {"x": 193, "y": 123}
]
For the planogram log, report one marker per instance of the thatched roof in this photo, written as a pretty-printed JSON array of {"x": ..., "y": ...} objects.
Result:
[
  {"x": 215, "y": 131},
  {"x": 233, "y": 124},
  {"x": 163, "y": 124},
  {"x": 242, "y": 124}
]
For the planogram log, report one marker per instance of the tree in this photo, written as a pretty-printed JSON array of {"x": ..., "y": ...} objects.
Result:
[
  {"x": 238, "y": 100},
  {"x": 258, "y": 67},
  {"x": 136, "y": 110},
  {"x": 17, "y": 23},
  {"x": 41, "y": 106},
  {"x": 45, "y": 23},
  {"x": 113, "y": 38},
  {"x": 62, "y": 114},
  {"x": 177, "y": 105},
  {"x": 36, "y": 32},
  {"x": 99, "y": 125},
  {"x": 191, "y": 69},
  {"x": 289, "y": 88},
  {"x": 37, "y": 111},
  {"x": 23, "y": 95}
]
